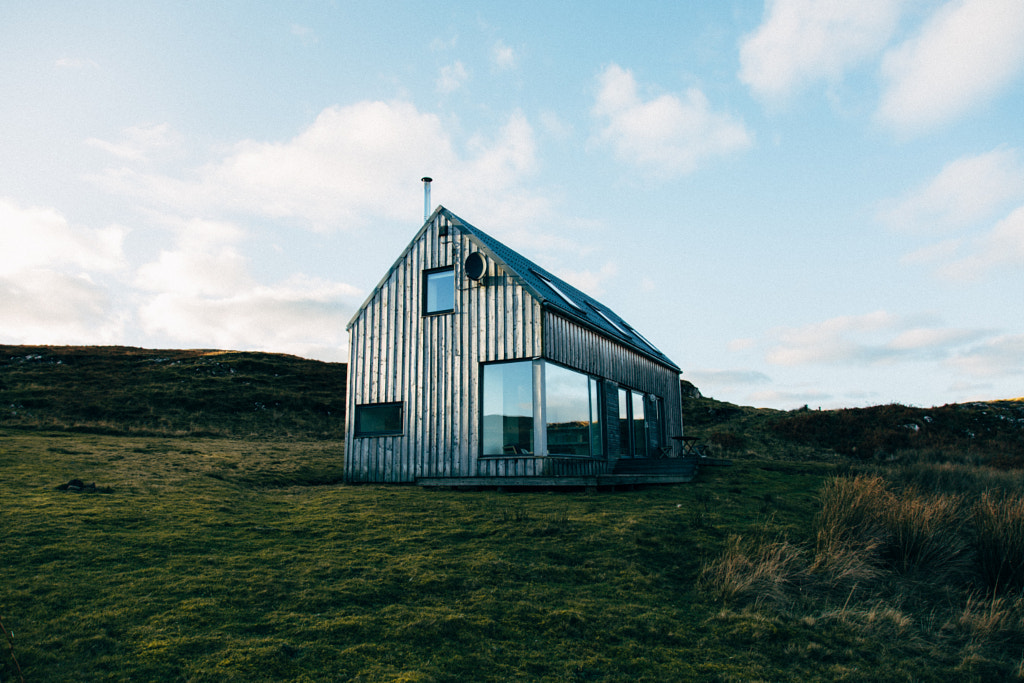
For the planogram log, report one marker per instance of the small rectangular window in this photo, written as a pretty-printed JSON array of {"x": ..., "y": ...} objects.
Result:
[
  {"x": 438, "y": 291},
  {"x": 379, "y": 419}
]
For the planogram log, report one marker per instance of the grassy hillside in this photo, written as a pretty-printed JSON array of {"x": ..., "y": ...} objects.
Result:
[
  {"x": 121, "y": 390},
  {"x": 840, "y": 545},
  {"x": 990, "y": 433}
]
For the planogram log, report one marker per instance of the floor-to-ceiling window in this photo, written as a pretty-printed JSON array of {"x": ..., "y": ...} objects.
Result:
[
  {"x": 572, "y": 410},
  {"x": 596, "y": 440},
  {"x": 639, "y": 425},
  {"x": 508, "y": 408},
  {"x": 567, "y": 407},
  {"x": 625, "y": 434}
]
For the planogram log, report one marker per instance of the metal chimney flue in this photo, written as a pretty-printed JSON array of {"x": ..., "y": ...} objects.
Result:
[{"x": 426, "y": 197}]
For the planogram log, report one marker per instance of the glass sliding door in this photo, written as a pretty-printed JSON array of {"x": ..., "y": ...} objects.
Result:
[
  {"x": 625, "y": 449},
  {"x": 639, "y": 426},
  {"x": 567, "y": 402},
  {"x": 508, "y": 408}
]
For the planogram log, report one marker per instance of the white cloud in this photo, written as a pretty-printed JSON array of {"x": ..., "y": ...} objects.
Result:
[
  {"x": 802, "y": 41},
  {"x": 504, "y": 56},
  {"x": 32, "y": 238},
  {"x": 998, "y": 357},
  {"x": 353, "y": 166},
  {"x": 452, "y": 77},
  {"x": 1000, "y": 247},
  {"x": 45, "y": 306},
  {"x": 963, "y": 55},
  {"x": 878, "y": 337},
  {"x": 589, "y": 281},
  {"x": 139, "y": 142},
  {"x": 966, "y": 190},
  {"x": 726, "y": 378},
  {"x": 205, "y": 262},
  {"x": 76, "y": 64},
  {"x": 202, "y": 293},
  {"x": 667, "y": 135},
  {"x": 49, "y": 292},
  {"x": 792, "y": 398}
]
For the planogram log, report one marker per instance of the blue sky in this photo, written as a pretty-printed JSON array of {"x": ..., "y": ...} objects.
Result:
[{"x": 799, "y": 202}]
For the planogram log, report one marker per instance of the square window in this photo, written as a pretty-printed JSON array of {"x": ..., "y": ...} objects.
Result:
[
  {"x": 438, "y": 291},
  {"x": 379, "y": 419}
]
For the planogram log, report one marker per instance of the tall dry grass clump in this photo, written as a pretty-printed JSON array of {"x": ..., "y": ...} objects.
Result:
[
  {"x": 756, "y": 570},
  {"x": 848, "y": 532},
  {"x": 999, "y": 540},
  {"x": 939, "y": 567},
  {"x": 865, "y": 526}
]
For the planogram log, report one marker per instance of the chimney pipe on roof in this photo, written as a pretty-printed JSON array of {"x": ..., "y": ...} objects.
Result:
[{"x": 426, "y": 197}]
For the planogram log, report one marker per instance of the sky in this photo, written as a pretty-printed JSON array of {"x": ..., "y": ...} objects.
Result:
[{"x": 799, "y": 202}]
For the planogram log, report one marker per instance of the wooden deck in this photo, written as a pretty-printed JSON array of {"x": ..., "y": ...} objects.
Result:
[{"x": 629, "y": 472}]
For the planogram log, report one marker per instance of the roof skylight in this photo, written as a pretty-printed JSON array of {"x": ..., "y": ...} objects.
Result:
[
  {"x": 609, "y": 320},
  {"x": 554, "y": 288}
]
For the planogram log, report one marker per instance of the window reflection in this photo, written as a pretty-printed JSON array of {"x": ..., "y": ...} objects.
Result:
[
  {"x": 568, "y": 411},
  {"x": 639, "y": 426},
  {"x": 440, "y": 290},
  {"x": 508, "y": 408},
  {"x": 624, "y": 430}
]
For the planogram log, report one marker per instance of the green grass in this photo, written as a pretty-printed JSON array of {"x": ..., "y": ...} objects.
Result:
[
  {"x": 221, "y": 545},
  {"x": 219, "y": 559}
]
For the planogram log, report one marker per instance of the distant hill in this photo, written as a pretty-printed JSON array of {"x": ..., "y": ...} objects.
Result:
[
  {"x": 123, "y": 390},
  {"x": 990, "y": 432},
  {"x": 113, "y": 389}
]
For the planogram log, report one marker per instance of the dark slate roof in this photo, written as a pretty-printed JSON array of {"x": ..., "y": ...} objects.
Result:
[{"x": 559, "y": 294}]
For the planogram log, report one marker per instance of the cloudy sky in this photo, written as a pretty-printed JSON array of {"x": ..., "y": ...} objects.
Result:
[{"x": 798, "y": 201}]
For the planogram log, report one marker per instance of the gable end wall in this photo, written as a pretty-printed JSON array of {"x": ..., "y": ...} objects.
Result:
[{"x": 431, "y": 363}]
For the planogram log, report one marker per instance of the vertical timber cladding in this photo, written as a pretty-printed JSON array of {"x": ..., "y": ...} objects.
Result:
[
  {"x": 503, "y": 323},
  {"x": 431, "y": 363},
  {"x": 578, "y": 347}
]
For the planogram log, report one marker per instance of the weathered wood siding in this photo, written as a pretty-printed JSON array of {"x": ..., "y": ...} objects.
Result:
[
  {"x": 570, "y": 343},
  {"x": 431, "y": 363}
]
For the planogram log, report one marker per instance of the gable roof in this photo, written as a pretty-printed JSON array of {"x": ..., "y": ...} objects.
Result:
[
  {"x": 548, "y": 288},
  {"x": 556, "y": 293}
]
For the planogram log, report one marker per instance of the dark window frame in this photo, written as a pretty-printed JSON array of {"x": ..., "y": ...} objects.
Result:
[
  {"x": 360, "y": 433},
  {"x": 426, "y": 290}
]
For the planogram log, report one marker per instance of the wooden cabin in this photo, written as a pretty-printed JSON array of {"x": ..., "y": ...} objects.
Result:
[{"x": 472, "y": 365}]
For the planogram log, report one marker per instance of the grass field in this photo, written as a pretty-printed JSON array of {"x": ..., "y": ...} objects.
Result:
[
  {"x": 214, "y": 559},
  {"x": 221, "y": 547},
  {"x": 218, "y": 559}
]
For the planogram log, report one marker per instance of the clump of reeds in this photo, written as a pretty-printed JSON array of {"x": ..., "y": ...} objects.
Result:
[
  {"x": 759, "y": 568},
  {"x": 998, "y": 522},
  {"x": 923, "y": 564}
]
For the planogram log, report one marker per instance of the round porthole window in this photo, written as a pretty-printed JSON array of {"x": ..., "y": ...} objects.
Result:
[{"x": 475, "y": 266}]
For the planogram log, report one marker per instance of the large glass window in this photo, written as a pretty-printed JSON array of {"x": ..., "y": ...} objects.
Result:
[
  {"x": 379, "y": 419},
  {"x": 508, "y": 408},
  {"x": 572, "y": 410},
  {"x": 438, "y": 291},
  {"x": 567, "y": 395},
  {"x": 625, "y": 433},
  {"x": 639, "y": 426}
]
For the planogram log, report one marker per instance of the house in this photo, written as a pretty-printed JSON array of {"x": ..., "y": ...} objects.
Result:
[{"x": 472, "y": 365}]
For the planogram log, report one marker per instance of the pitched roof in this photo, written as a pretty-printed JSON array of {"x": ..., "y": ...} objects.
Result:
[{"x": 556, "y": 293}]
